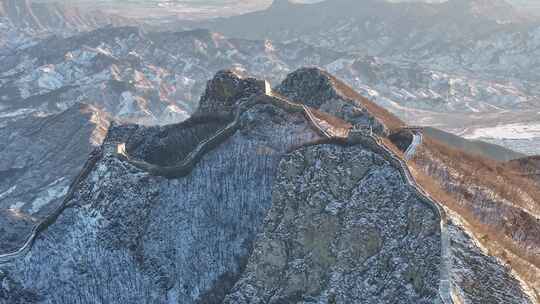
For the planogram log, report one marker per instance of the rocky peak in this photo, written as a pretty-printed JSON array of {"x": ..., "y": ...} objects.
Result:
[
  {"x": 226, "y": 89},
  {"x": 198, "y": 230},
  {"x": 310, "y": 86},
  {"x": 319, "y": 89}
]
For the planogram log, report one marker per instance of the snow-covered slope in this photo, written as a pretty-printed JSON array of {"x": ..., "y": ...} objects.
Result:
[{"x": 274, "y": 212}]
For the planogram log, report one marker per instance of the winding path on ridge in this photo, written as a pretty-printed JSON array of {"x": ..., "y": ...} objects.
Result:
[
  {"x": 446, "y": 260},
  {"x": 326, "y": 129},
  {"x": 49, "y": 220}
]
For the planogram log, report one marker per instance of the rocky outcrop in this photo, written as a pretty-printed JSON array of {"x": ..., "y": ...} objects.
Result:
[
  {"x": 174, "y": 239},
  {"x": 343, "y": 228},
  {"x": 226, "y": 89},
  {"x": 316, "y": 88},
  {"x": 207, "y": 221}
]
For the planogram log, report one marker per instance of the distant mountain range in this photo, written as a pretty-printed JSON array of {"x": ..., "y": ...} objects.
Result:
[
  {"x": 145, "y": 164},
  {"x": 374, "y": 25},
  {"x": 461, "y": 76},
  {"x": 490, "y": 43},
  {"x": 35, "y": 16},
  {"x": 261, "y": 195},
  {"x": 208, "y": 9}
]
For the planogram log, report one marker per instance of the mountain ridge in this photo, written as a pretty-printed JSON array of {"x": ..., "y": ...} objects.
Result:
[
  {"x": 142, "y": 175},
  {"x": 276, "y": 137}
]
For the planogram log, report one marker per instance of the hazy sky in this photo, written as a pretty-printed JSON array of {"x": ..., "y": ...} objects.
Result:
[
  {"x": 183, "y": 8},
  {"x": 203, "y": 8}
]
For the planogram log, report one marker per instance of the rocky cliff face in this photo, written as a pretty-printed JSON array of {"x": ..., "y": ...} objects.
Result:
[
  {"x": 343, "y": 228},
  {"x": 270, "y": 211},
  {"x": 317, "y": 89}
]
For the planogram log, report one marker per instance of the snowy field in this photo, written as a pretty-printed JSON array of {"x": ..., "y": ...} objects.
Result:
[
  {"x": 507, "y": 131},
  {"x": 521, "y": 137}
]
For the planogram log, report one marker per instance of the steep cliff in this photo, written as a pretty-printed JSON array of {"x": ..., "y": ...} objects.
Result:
[{"x": 343, "y": 228}]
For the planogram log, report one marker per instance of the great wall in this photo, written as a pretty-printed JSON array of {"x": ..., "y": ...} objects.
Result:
[{"x": 363, "y": 136}]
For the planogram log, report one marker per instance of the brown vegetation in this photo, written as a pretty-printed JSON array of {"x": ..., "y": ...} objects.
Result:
[
  {"x": 388, "y": 119},
  {"x": 331, "y": 119},
  {"x": 498, "y": 244},
  {"x": 477, "y": 170},
  {"x": 501, "y": 208},
  {"x": 528, "y": 167}
]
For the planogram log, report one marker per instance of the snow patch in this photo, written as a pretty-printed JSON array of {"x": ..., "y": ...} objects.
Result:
[
  {"x": 15, "y": 113},
  {"x": 49, "y": 79},
  {"x": 508, "y": 131},
  {"x": 8, "y": 192},
  {"x": 54, "y": 191},
  {"x": 127, "y": 104}
]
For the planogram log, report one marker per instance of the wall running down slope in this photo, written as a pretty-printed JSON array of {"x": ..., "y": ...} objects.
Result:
[
  {"x": 325, "y": 130},
  {"x": 276, "y": 202}
]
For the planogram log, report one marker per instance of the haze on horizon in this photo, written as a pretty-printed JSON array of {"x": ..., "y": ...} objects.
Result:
[{"x": 200, "y": 9}]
